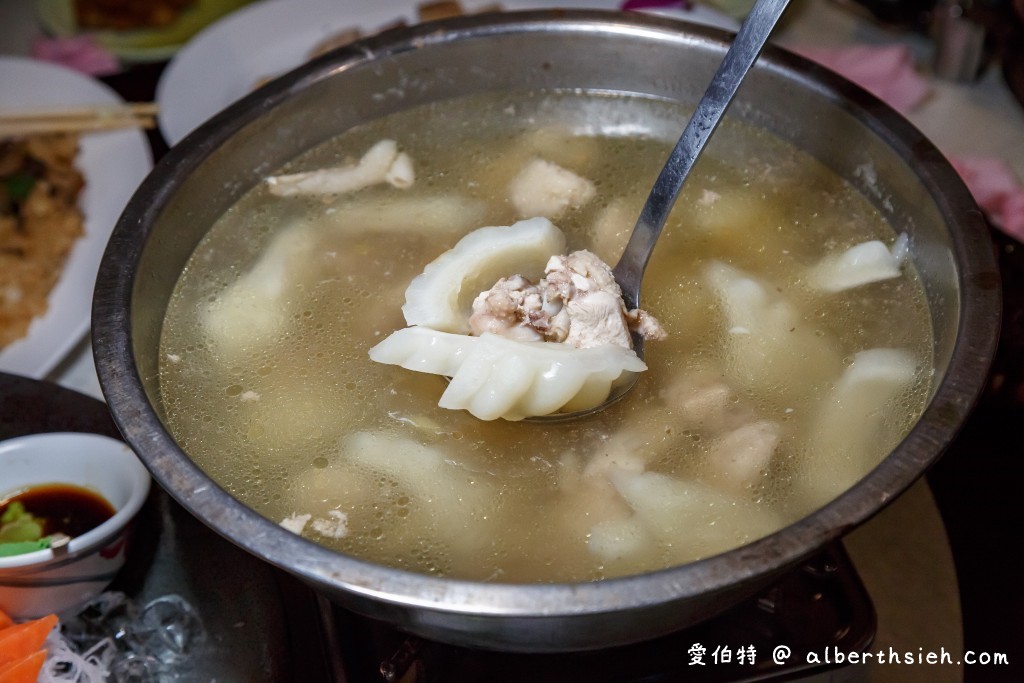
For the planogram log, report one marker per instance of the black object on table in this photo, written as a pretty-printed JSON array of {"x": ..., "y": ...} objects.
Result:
[
  {"x": 820, "y": 606},
  {"x": 247, "y": 606},
  {"x": 978, "y": 487}
]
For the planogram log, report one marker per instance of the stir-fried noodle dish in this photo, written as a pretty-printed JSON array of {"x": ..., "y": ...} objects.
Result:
[{"x": 39, "y": 223}]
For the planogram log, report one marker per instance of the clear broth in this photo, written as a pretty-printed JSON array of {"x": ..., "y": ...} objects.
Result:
[{"x": 305, "y": 423}]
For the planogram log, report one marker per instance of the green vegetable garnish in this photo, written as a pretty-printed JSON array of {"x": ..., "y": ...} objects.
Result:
[
  {"x": 19, "y": 186},
  {"x": 8, "y": 549},
  {"x": 19, "y": 525},
  {"x": 21, "y": 531}
]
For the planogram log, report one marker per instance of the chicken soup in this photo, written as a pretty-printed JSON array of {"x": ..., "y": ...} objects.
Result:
[{"x": 794, "y": 350}]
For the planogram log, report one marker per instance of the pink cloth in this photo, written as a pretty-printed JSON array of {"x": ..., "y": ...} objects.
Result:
[
  {"x": 996, "y": 189},
  {"x": 80, "y": 53},
  {"x": 886, "y": 71}
]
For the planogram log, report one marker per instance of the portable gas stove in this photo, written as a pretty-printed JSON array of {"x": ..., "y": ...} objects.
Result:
[{"x": 821, "y": 607}]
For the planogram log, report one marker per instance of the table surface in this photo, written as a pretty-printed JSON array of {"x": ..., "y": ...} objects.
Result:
[{"x": 903, "y": 555}]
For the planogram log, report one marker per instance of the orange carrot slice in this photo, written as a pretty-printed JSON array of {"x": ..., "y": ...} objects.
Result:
[
  {"x": 5, "y": 620},
  {"x": 24, "y": 670},
  {"x": 21, "y": 640}
]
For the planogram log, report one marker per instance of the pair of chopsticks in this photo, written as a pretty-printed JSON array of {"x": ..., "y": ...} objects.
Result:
[{"x": 77, "y": 119}]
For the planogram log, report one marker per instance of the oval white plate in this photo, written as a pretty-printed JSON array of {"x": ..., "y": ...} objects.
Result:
[
  {"x": 113, "y": 163},
  {"x": 230, "y": 57},
  {"x": 153, "y": 44}
]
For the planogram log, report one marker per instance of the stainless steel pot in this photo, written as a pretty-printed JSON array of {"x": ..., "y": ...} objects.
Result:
[{"x": 848, "y": 130}]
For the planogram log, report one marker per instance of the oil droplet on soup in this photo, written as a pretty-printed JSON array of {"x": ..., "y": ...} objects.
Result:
[{"x": 753, "y": 413}]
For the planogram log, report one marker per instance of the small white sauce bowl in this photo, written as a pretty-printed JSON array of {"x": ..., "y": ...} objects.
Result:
[{"x": 59, "y": 580}]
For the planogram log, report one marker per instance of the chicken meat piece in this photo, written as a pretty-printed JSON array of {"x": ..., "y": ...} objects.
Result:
[
  {"x": 739, "y": 459},
  {"x": 512, "y": 308},
  {"x": 645, "y": 324},
  {"x": 578, "y": 303},
  {"x": 382, "y": 163},
  {"x": 703, "y": 400},
  {"x": 543, "y": 188}
]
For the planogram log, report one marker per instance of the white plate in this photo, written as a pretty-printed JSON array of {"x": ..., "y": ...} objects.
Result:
[
  {"x": 113, "y": 163},
  {"x": 155, "y": 44},
  {"x": 228, "y": 58}
]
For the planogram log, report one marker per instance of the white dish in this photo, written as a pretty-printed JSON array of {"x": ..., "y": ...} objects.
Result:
[
  {"x": 113, "y": 163},
  {"x": 138, "y": 45},
  {"x": 54, "y": 580},
  {"x": 229, "y": 58}
]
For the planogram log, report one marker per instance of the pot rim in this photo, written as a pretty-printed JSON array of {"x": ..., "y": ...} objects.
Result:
[{"x": 977, "y": 334}]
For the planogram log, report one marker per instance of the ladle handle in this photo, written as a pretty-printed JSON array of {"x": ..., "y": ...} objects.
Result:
[{"x": 742, "y": 54}]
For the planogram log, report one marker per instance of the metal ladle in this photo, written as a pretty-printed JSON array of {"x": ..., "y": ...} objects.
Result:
[{"x": 629, "y": 271}]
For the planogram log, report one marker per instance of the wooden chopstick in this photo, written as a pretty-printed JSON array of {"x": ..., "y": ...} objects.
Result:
[{"x": 15, "y": 123}]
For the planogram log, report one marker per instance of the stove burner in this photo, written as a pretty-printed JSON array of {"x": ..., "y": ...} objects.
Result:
[{"x": 819, "y": 607}]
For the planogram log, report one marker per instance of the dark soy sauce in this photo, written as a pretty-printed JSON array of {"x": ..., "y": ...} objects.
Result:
[{"x": 63, "y": 508}]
